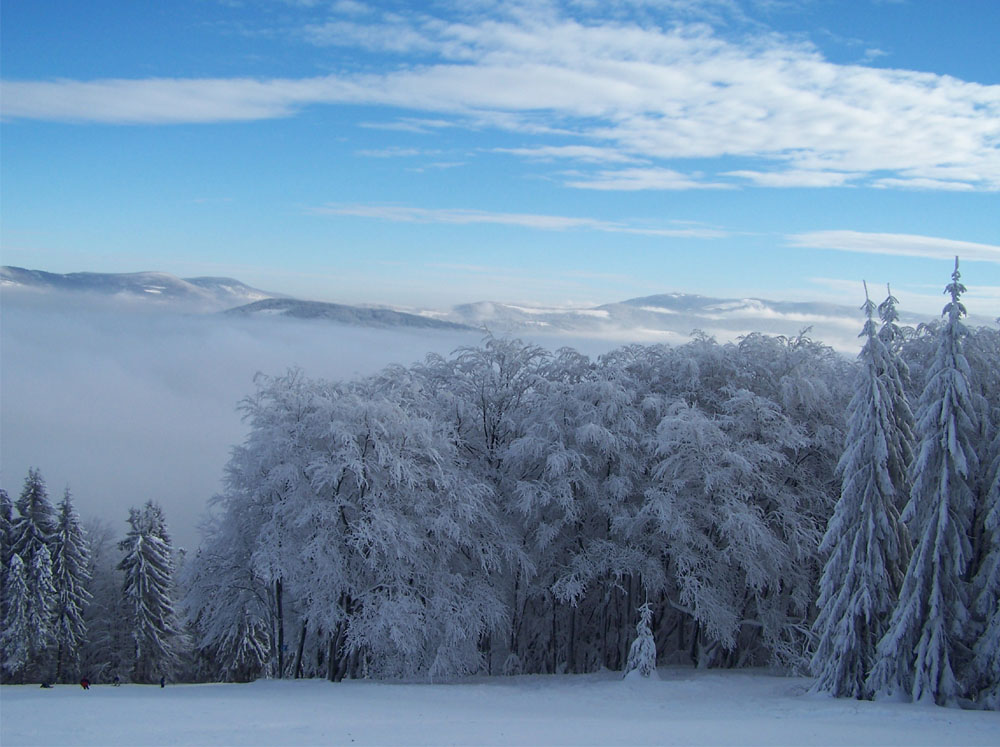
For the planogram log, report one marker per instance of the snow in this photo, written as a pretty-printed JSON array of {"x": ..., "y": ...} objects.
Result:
[{"x": 685, "y": 706}]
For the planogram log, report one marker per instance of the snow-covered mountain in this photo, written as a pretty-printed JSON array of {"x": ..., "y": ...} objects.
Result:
[
  {"x": 669, "y": 318},
  {"x": 201, "y": 293},
  {"x": 355, "y": 315}
]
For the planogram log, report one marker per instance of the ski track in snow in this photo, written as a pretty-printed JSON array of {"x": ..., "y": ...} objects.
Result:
[{"x": 685, "y": 707}]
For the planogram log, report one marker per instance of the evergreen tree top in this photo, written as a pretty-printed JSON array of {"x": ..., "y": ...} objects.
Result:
[{"x": 954, "y": 309}]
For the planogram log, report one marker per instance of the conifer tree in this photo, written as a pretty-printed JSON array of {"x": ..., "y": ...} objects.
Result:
[
  {"x": 985, "y": 673},
  {"x": 35, "y": 525},
  {"x": 148, "y": 568},
  {"x": 15, "y": 637},
  {"x": 642, "y": 653},
  {"x": 70, "y": 575},
  {"x": 923, "y": 650},
  {"x": 895, "y": 375},
  {"x": 866, "y": 543},
  {"x": 6, "y": 519},
  {"x": 32, "y": 536}
]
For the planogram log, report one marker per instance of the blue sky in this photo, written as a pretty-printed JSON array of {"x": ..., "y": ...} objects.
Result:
[{"x": 425, "y": 154}]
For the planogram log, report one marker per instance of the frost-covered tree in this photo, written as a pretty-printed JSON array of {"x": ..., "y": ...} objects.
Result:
[
  {"x": 32, "y": 538},
  {"x": 27, "y": 631},
  {"x": 642, "y": 653},
  {"x": 147, "y": 565},
  {"x": 985, "y": 670},
  {"x": 227, "y": 603},
  {"x": 35, "y": 525},
  {"x": 925, "y": 645},
  {"x": 70, "y": 576},
  {"x": 866, "y": 544},
  {"x": 6, "y": 522},
  {"x": 895, "y": 376},
  {"x": 108, "y": 649},
  {"x": 18, "y": 623}
]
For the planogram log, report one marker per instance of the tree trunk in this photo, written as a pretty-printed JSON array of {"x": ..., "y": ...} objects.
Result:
[
  {"x": 281, "y": 629},
  {"x": 298, "y": 655}
]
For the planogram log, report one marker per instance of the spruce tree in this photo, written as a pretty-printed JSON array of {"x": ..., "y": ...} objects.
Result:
[
  {"x": 71, "y": 574},
  {"x": 148, "y": 568},
  {"x": 6, "y": 520},
  {"x": 31, "y": 538},
  {"x": 15, "y": 637},
  {"x": 923, "y": 650},
  {"x": 895, "y": 375},
  {"x": 642, "y": 653},
  {"x": 35, "y": 525},
  {"x": 865, "y": 541},
  {"x": 985, "y": 670}
]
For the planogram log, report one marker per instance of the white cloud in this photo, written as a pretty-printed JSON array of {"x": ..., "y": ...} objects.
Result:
[
  {"x": 640, "y": 179},
  {"x": 582, "y": 153},
  {"x": 623, "y": 89},
  {"x": 896, "y": 244},
  {"x": 404, "y": 214},
  {"x": 795, "y": 178}
]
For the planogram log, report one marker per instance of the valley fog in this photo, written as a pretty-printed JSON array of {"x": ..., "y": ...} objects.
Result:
[{"x": 128, "y": 407}]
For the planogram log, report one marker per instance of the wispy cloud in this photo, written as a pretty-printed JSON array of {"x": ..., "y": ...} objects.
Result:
[
  {"x": 632, "y": 180},
  {"x": 396, "y": 152},
  {"x": 896, "y": 244},
  {"x": 798, "y": 178},
  {"x": 404, "y": 214},
  {"x": 582, "y": 153},
  {"x": 619, "y": 86}
]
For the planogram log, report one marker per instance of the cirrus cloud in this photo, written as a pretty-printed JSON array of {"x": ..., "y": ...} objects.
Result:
[
  {"x": 896, "y": 244},
  {"x": 614, "y": 91}
]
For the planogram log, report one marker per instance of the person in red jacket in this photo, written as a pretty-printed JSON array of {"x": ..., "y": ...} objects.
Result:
[{"x": 85, "y": 683}]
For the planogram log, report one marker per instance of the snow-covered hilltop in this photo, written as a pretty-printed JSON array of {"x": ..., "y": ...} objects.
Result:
[
  {"x": 159, "y": 288},
  {"x": 666, "y": 318}
]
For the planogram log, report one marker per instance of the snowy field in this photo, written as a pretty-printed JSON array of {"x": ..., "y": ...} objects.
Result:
[{"x": 684, "y": 707}]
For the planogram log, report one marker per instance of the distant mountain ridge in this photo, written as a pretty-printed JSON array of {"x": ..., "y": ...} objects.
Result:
[
  {"x": 205, "y": 292},
  {"x": 335, "y": 312},
  {"x": 668, "y": 318}
]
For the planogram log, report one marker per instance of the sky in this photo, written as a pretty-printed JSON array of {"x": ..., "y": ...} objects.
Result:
[{"x": 560, "y": 153}]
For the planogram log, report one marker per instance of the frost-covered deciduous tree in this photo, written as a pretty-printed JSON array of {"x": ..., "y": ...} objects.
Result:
[
  {"x": 148, "y": 567},
  {"x": 866, "y": 544},
  {"x": 70, "y": 577},
  {"x": 924, "y": 648}
]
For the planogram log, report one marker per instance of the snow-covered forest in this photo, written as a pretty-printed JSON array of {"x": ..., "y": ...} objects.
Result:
[{"x": 511, "y": 510}]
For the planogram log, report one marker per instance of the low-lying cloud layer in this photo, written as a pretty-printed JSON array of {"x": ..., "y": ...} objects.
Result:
[{"x": 124, "y": 408}]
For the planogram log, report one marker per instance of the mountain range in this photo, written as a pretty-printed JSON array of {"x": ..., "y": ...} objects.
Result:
[{"x": 667, "y": 318}]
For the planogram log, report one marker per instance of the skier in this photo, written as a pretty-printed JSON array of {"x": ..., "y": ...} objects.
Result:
[
  {"x": 85, "y": 683},
  {"x": 163, "y": 681}
]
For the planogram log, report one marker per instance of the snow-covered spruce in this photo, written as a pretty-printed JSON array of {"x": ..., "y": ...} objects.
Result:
[
  {"x": 642, "y": 653},
  {"x": 866, "y": 544},
  {"x": 925, "y": 646},
  {"x": 70, "y": 577},
  {"x": 148, "y": 568}
]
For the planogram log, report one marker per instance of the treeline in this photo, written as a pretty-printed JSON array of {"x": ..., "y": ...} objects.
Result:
[
  {"x": 510, "y": 510},
  {"x": 76, "y": 604}
]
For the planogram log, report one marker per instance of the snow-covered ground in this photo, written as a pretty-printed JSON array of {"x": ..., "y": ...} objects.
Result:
[{"x": 683, "y": 707}]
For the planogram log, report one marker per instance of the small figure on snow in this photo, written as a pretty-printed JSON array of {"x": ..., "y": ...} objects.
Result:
[
  {"x": 163, "y": 681},
  {"x": 117, "y": 681},
  {"x": 46, "y": 685},
  {"x": 85, "y": 683}
]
